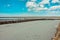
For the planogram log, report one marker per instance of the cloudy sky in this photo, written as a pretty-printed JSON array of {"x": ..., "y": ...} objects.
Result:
[
  {"x": 36, "y": 5},
  {"x": 30, "y": 7}
]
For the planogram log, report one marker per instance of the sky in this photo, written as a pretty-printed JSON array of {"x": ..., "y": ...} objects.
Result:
[{"x": 30, "y": 7}]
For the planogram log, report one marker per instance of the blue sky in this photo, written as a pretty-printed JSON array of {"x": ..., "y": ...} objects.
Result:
[
  {"x": 12, "y": 6},
  {"x": 29, "y": 6}
]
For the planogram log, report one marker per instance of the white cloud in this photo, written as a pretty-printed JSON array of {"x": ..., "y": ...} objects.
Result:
[
  {"x": 35, "y": 7},
  {"x": 31, "y": 4},
  {"x": 41, "y": 4},
  {"x": 55, "y": 1},
  {"x": 33, "y": 0},
  {"x": 39, "y": 9},
  {"x": 44, "y": 2},
  {"x": 54, "y": 7}
]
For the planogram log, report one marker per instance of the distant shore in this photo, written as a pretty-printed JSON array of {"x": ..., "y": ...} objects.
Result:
[{"x": 7, "y": 20}]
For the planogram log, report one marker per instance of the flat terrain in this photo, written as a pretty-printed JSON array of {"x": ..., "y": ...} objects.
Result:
[{"x": 33, "y": 30}]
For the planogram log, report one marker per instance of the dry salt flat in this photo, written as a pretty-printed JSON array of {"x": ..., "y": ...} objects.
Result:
[{"x": 33, "y": 30}]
